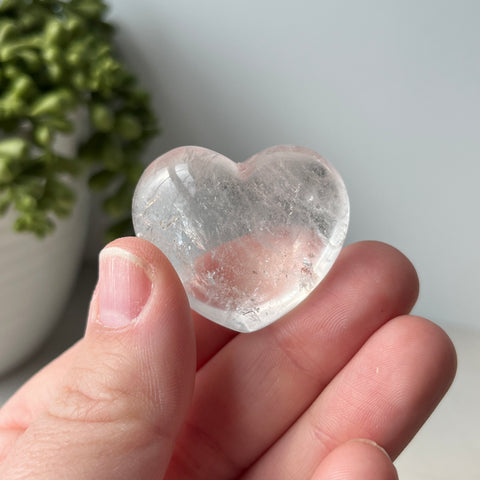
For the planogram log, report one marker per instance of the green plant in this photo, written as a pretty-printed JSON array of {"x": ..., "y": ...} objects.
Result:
[{"x": 56, "y": 56}]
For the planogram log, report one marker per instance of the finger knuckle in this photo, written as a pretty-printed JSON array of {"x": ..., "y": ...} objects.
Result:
[{"x": 92, "y": 394}]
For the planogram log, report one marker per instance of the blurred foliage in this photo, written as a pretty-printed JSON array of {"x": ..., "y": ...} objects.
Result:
[{"x": 57, "y": 56}]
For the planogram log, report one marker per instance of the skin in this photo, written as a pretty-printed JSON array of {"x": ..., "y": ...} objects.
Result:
[{"x": 173, "y": 396}]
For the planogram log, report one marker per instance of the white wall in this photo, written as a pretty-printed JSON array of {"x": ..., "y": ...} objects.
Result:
[{"x": 387, "y": 90}]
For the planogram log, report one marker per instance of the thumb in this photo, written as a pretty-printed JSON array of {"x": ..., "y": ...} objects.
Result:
[{"x": 119, "y": 408}]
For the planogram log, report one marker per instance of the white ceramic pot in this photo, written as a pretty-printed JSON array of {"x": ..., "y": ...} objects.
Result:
[{"x": 37, "y": 275}]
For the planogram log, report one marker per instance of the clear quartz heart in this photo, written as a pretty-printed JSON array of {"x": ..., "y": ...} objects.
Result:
[{"x": 249, "y": 240}]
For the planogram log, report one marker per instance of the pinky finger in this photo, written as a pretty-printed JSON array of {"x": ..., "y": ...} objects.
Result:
[{"x": 356, "y": 460}]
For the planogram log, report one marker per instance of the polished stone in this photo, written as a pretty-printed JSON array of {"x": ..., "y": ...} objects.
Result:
[{"x": 249, "y": 240}]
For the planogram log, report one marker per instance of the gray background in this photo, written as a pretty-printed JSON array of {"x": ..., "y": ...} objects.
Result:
[{"x": 388, "y": 91}]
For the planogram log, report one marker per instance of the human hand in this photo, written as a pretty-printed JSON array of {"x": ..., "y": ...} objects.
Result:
[{"x": 285, "y": 402}]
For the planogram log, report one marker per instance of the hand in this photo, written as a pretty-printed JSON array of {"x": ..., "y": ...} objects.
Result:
[{"x": 291, "y": 401}]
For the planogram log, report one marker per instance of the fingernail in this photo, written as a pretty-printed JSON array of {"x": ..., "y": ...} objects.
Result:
[
  {"x": 124, "y": 287},
  {"x": 373, "y": 444}
]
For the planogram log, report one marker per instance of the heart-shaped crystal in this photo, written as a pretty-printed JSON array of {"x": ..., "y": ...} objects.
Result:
[{"x": 248, "y": 240}]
